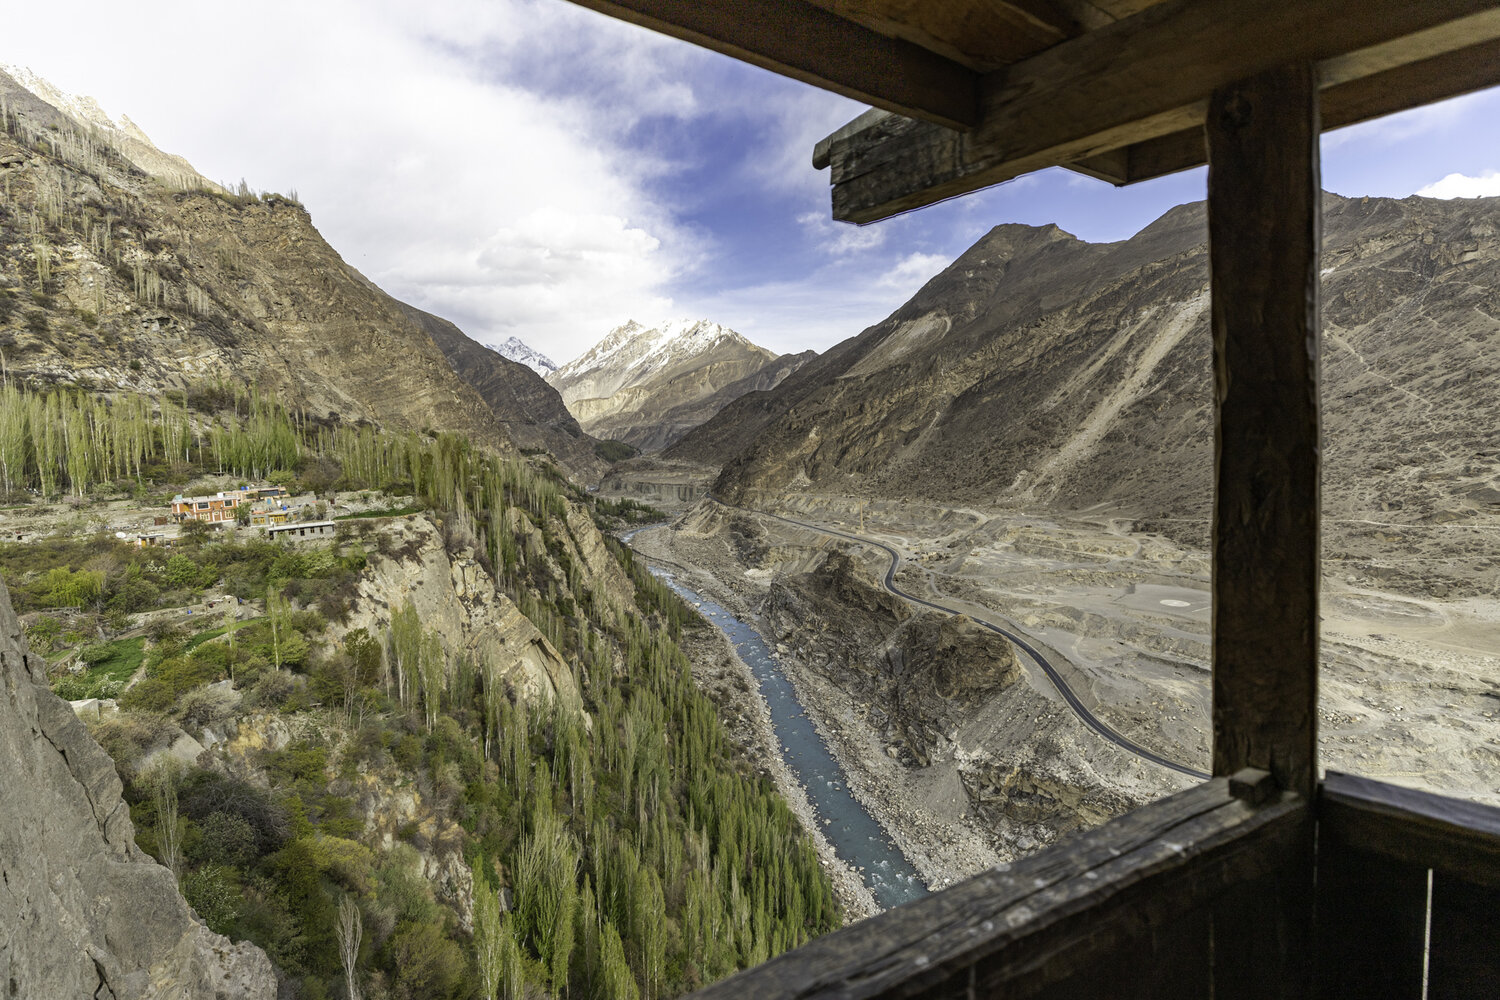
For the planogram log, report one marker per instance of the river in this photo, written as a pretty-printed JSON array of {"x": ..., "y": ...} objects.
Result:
[{"x": 858, "y": 839}]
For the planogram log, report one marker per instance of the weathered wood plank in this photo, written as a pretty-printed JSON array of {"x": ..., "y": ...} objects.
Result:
[
  {"x": 1038, "y": 921},
  {"x": 1417, "y": 827},
  {"x": 1167, "y": 962},
  {"x": 1262, "y": 933},
  {"x": 1465, "y": 953},
  {"x": 1264, "y": 220},
  {"x": 981, "y": 36},
  {"x": 1142, "y": 78},
  {"x": 807, "y": 43},
  {"x": 1448, "y": 75},
  {"x": 1371, "y": 924}
]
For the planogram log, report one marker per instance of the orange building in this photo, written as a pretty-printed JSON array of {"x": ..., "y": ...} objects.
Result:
[{"x": 221, "y": 506}]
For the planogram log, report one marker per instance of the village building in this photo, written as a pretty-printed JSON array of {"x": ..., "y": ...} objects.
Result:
[
  {"x": 222, "y": 505},
  {"x": 268, "y": 516},
  {"x": 303, "y": 531}
]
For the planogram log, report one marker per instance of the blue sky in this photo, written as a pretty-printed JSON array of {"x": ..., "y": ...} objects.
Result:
[{"x": 530, "y": 168}]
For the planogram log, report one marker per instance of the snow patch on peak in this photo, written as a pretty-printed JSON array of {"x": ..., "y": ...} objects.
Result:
[{"x": 515, "y": 349}]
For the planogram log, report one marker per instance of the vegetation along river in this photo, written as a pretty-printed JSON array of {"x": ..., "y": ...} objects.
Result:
[{"x": 858, "y": 839}]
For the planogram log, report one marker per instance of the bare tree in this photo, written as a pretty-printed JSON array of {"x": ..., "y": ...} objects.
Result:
[
  {"x": 351, "y": 931},
  {"x": 164, "y": 791}
]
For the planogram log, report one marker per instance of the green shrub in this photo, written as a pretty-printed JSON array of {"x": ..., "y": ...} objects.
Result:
[
  {"x": 213, "y": 892},
  {"x": 614, "y": 451},
  {"x": 226, "y": 839}
]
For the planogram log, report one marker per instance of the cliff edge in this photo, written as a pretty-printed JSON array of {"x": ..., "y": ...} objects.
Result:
[{"x": 83, "y": 911}]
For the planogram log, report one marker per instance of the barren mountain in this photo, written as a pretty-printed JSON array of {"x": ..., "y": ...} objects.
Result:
[
  {"x": 1059, "y": 375},
  {"x": 647, "y": 386},
  {"x": 121, "y": 268}
]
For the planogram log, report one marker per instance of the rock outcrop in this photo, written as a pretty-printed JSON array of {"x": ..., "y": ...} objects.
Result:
[
  {"x": 457, "y": 598},
  {"x": 925, "y": 671},
  {"x": 83, "y": 911}
]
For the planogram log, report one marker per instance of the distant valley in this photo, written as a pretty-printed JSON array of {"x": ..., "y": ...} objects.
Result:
[{"x": 647, "y": 386}]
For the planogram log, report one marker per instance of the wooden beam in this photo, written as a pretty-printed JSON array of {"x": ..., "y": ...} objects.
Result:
[
  {"x": 807, "y": 43},
  {"x": 982, "y": 36},
  {"x": 1413, "y": 826},
  {"x": 1264, "y": 226},
  {"x": 1438, "y": 78},
  {"x": 1040, "y": 920},
  {"x": 1139, "y": 79}
]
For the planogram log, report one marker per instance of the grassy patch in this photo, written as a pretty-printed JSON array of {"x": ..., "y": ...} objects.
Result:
[
  {"x": 615, "y": 451},
  {"x": 388, "y": 512},
  {"x": 106, "y": 678},
  {"x": 214, "y": 633}
]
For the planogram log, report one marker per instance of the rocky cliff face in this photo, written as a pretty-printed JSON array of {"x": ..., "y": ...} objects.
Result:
[
  {"x": 648, "y": 385},
  {"x": 922, "y": 673},
  {"x": 119, "y": 276},
  {"x": 83, "y": 912},
  {"x": 457, "y": 598}
]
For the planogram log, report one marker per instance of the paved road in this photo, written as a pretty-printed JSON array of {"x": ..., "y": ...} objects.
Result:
[{"x": 1089, "y": 719}]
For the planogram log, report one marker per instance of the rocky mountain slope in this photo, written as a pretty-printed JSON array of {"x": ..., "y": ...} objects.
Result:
[
  {"x": 530, "y": 410},
  {"x": 85, "y": 912},
  {"x": 647, "y": 386},
  {"x": 122, "y": 269},
  {"x": 1049, "y": 373},
  {"x": 516, "y": 349}
]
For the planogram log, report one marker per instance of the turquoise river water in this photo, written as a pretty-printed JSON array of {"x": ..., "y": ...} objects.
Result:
[{"x": 858, "y": 839}]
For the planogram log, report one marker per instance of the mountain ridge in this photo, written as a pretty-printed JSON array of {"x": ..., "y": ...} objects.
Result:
[
  {"x": 1038, "y": 371},
  {"x": 625, "y": 386}
]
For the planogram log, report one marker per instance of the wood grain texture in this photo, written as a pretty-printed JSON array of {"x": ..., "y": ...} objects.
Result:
[
  {"x": 1371, "y": 924},
  {"x": 1416, "y": 827},
  {"x": 981, "y": 36},
  {"x": 1264, "y": 217},
  {"x": 1459, "y": 72},
  {"x": 808, "y": 43},
  {"x": 1465, "y": 954},
  {"x": 1036, "y": 923},
  {"x": 1139, "y": 79}
]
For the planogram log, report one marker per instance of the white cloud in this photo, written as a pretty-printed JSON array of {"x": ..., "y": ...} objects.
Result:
[
  {"x": 1486, "y": 185},
  {"x": 839, "y": 238},
  {"x": 913, "y": 271}
]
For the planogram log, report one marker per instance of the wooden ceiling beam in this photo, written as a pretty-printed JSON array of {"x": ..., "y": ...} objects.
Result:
[
  {"x": 1344, "y": 104},
  {"x": 1139, "y": 80},
  {"x": 808, "y": 43}
]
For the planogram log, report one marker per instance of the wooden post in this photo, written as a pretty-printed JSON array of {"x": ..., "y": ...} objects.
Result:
[
  {"x": 1264, "y": 232},
  {"x": 1264, "y": 216}
]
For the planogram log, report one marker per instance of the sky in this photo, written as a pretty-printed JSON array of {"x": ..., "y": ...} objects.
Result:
[{"x": 529, "y": 168}]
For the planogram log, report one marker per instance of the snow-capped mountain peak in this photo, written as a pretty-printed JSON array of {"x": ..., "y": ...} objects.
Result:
[{"x": 518, "y": 350}]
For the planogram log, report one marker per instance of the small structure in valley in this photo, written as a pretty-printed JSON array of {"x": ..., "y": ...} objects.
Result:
[{"x": 303, "y": 531}]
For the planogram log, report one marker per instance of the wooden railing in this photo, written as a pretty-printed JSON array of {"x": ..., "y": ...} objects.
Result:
[
  {"x": 1408, "y": 893},
  {"x": 1229, "y": 889}
]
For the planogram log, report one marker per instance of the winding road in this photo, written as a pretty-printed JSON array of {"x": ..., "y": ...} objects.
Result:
[{"x": 1079, "y": 709}]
